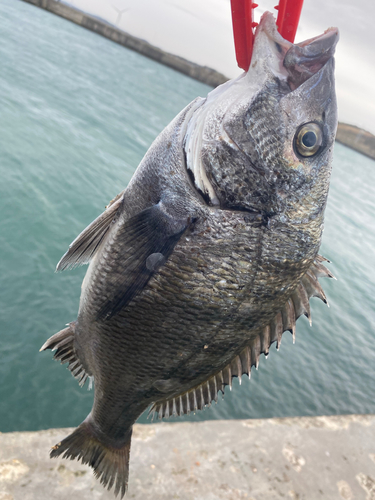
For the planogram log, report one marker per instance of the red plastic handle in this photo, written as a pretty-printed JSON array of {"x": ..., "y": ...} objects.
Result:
[
  {"x": 289, "y": 12},
  {"x": 243, "y": 24},
  {"x": 288, "y": 18}
]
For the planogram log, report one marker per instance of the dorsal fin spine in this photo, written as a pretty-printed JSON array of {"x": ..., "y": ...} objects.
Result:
[
  {"x": 174, "y": 409},
  {"x": 313, "y": 286},
  {"x": 216, "y": 390},
  {"x": 187, "y": 404},
  {"x": 239, "y": 367},
  {"x": 166, "y": 412},
  {"x": 278, "y": 329},
  {"x": 210, "y": 398},
  {"x": 228, "y": 376},
  {"x": 255, "y": 352},
  {"x": 266, "y": 339},
  {"x": 202, "y": 398},
  {"x": 245, "y": 361},
  {"x": 221, "y": 378},
  {"x": 285, "y": 319},
  {"x": 195, "y": 401}
]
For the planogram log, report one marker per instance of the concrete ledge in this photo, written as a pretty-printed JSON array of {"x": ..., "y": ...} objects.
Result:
[{"x": 293, "y": 458}]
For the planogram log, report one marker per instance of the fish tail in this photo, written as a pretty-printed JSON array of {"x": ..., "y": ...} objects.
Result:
[{"x": 110, "y": 463}]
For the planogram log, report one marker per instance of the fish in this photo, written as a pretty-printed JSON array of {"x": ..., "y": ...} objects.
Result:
[{"x": 209, "y": 255}]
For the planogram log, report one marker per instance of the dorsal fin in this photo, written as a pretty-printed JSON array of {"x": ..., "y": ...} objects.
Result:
[
  {"x": 202, "y": 395},
  {"x": 85, "y": 245}
]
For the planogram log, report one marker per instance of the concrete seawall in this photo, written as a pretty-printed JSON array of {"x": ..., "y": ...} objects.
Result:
[{"x": 311, "y": 458}]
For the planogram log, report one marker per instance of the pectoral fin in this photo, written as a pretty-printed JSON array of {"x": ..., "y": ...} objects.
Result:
[
  {"x": 146, "y": 241},
  {"x": 86, "y": 244}
]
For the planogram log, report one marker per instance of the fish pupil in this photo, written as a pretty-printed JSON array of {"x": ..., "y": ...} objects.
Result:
[{"x": 309, "y": 139}]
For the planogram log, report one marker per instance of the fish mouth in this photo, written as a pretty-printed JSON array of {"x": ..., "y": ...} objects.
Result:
[
  {"x": 305, "y": 59},
  {"x": 295, "y": 62}
]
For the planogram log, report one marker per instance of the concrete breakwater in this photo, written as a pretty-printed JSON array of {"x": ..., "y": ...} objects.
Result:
[{"x": 330, "y": 458}]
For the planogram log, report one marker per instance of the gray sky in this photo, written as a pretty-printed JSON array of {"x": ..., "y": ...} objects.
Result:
[{"x": 201, "y": 31}]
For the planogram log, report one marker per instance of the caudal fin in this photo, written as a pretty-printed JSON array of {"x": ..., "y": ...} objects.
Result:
[{"x": 110, "y": 464}]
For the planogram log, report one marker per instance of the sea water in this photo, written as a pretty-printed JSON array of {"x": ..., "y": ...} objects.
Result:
[{"x": 77, "y": 114}]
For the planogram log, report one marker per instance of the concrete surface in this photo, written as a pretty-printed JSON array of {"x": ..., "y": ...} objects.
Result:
[{"x": 293, "y": 458}]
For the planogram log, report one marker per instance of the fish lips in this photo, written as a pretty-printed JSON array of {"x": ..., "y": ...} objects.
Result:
[
  {"x": 294, "y": 62},
  {"x": 307, "y": 58}
]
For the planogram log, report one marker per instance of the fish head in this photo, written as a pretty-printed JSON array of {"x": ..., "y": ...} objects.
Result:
[{"x": 264, "y": 141}]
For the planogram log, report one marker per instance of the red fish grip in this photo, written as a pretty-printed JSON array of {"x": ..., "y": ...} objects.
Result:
[{"x": 289, "y": 12}]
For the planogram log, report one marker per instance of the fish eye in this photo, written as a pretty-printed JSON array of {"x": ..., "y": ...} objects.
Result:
[{"x": 308, "y": 139}]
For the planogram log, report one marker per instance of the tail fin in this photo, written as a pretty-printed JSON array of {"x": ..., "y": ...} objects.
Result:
[{"x": 110, "y": 464}]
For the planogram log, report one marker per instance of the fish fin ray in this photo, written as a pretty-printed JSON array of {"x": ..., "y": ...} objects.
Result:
[
  {"x": 148, "y": 239},
  {"x": 63, "y": 343},
  {"x": 285, "y": 320},
  {"x": 84, "y": 247},
  {"x": 110, "y": 464},
  {"x": 191, "y": 400}
]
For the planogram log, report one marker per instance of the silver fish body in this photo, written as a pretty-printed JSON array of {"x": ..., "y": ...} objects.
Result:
[{"x": 209, "y": 254}]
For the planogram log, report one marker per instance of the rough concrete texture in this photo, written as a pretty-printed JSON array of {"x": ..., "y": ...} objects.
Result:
[{"x": 293, "y": 458}]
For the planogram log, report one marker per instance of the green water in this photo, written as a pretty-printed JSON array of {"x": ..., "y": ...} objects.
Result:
[{"x": 77, "y": 113}]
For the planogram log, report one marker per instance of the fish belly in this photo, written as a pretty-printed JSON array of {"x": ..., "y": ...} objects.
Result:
[{"x": 226, "y": 279}]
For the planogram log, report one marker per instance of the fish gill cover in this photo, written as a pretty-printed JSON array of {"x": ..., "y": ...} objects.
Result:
[{"x": 209, "y": 254}]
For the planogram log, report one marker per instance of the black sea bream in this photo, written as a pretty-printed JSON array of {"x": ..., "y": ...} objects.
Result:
[{"x": 209, "y": 254}]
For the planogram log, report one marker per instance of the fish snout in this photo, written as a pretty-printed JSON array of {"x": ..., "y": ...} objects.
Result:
[{"x": 305, "y": 59}]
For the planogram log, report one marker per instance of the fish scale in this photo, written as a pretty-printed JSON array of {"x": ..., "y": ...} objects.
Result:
[
  {"x": 208, "y": 255},
  {"x": 154, "y": 316}
]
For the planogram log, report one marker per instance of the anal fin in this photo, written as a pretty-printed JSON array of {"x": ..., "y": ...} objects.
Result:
[
  {"x": 63, "y": 343},
  {"x": 297, "y": 304}
]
